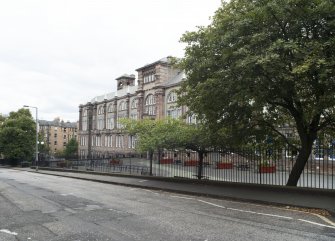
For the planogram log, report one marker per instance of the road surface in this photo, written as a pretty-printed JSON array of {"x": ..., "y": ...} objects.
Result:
[{"x": 35, "y": 206}]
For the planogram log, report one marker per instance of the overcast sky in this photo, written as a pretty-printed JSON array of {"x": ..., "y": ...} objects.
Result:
[{"x": 58, "y": 54}]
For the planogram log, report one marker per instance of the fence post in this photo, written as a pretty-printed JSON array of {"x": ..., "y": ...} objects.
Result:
[{"x": 201, "y": 160}]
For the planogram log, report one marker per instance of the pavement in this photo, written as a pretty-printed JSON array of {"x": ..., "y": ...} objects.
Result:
[{"x": 289, "y": 197}]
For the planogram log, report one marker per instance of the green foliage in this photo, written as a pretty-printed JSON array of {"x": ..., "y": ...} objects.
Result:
[
  {"x": 169, "y": 134},
  {"x": 260, "y": 65},
  {"x": 17, "y": 136},
  {"x": 154, "y": 135},
  {"x": 71, "y": 148}
]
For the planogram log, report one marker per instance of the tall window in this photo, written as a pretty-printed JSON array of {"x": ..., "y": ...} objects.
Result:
[
  {"x": 101, "y": 110},
  {"x": 122, "y": 106},
  {"x": 150, "y": 105},
  {"x": 120, "y": 116},
  {"x": 109, "y": 141},
  {"x": 134, "y": 104},
  {"x": 110, "y": 108},
  {"x": 172, "y": 97},
  {"x": 119, "y": 141},
  {"x": 131, "y": 142},
  {"x": 110, "y": 121},
  {"x": 101, "y": 118}
]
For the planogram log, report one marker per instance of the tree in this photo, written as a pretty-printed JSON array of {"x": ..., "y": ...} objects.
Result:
[
  {"x": 17, "y": 136},
  {"x": 197, "y": 137},
  {"x": 154, "y": 135},
  {"x": 262, "y": 64},
  {"x": 71, "y": 148}
]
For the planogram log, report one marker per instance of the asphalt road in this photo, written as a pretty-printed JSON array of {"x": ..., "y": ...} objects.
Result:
[{"x": 34, "y": 206}]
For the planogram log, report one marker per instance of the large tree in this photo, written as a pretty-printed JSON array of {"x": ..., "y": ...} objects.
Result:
[
  {"x": 261, "y": 64},
  {"x": 17, "y": 136}
]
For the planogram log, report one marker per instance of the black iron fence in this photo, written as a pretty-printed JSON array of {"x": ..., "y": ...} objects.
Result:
[{"x": 256, "y": 166}]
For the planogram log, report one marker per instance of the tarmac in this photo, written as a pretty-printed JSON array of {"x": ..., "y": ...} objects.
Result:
[{"x": 289, "y": 197}]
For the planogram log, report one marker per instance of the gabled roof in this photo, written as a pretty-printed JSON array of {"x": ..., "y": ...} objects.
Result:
[
  {"x": 164, "y": 60},
  {"x": 119, "y": 93}
]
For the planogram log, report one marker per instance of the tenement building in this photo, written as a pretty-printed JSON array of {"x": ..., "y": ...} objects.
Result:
[
  {"x": 57, "y": 133},
  {"x": 154, "y": 96}
]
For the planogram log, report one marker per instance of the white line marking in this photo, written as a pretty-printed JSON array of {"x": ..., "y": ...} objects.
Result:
[
  {"x": 274, "y": 215},
  {"x": 189, "y": 198},
  {"x": 7, "y": 231},
  {"x": 213, "y": 204},
  {"x": 319, "y": 224},
  {"x": 143, "y": 181},
  {"x": 240, "y": 210},
  {"x": 325, "y": 219},
  {"x": 245, "y": 211}
]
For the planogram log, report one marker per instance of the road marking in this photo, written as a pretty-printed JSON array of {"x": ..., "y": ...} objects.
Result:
[
  {"x": 143, "y": 181},
  {"x": 325, "y": 219},
  {"x": 332, "y": 224},
  {"x": 318, "y": 224},
  {"x": 213, "y": 204},
  {"x": 182, "y": 197},
  {"x": 240, "y": 210},
  {"x": 8, "y": 232},
  {"x": 246, "y": 211},
  {"x": 274, "y": 215}
]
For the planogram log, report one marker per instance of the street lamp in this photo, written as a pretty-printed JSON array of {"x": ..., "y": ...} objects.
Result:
[{"x": 36, "y": 153}]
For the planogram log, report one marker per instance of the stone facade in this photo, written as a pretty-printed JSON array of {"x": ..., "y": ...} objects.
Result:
[
  {"x": 56, "y": 134},
  {"x": 153, "y": 97}
]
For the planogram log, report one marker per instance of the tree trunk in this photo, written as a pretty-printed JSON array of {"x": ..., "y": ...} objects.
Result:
[
  {"x": 200, "y": 167},
  {"x": 151, "y": 154},
  {"x": 299, "y": 165}
]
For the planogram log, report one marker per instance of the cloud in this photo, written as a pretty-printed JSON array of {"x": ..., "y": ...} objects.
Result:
[{"x": 59, "y": 54}]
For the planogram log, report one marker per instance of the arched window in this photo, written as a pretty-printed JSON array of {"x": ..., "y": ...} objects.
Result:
[
  {"x": 134, "y": 104},
  {"x": 172, "y": 97},
  {"x": 150, "y": 105},
  {"x": 122, "y": 106},
  {"x": 101, "y": 110},
  {"x": 110, "y": 108}
]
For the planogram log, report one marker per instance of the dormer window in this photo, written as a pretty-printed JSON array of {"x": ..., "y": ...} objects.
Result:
[{"x": 149, "y": 77}]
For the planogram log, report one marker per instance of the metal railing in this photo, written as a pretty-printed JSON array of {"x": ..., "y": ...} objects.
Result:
[{"x": 255, "y": 166}]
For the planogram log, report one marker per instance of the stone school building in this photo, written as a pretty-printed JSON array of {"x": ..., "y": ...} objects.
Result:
[{"x": 154, "y": 96}]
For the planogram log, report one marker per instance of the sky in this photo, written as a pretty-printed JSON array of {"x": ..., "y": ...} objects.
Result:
[{"x": 58, "y": 54}]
